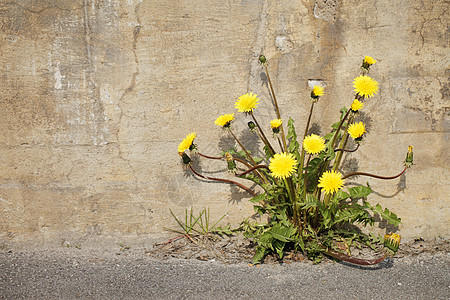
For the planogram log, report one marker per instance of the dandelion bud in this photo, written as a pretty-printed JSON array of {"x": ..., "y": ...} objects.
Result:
[
  {"x": 251, "y": 126},
  {"x": 409, "y": 157},
  {"x": 367, "y": 62},
  {"x": 262, "y": 59},
  {"x": 392, "y": 241},
  {"x": 231, "y": 163}
]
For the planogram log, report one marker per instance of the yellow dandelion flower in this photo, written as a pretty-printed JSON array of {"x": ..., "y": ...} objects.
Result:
[
  {"x": 369, "y": 60},
  {"x": 331, "y": 182},
  {"x": 313, "y": 144},
  {"x": 356, "y": 105},
  {"x": 282, "y": 165},
  {"x": 365, "y": 86},
  {"x": 186, "y": 143},
  {"x": 317, "y": 91},
  {"x": 224, "y": 120},
  {"x": 276, "y": 123},
  {"x": 356, "y": 130},
  {"x": 247, "y": 102}
]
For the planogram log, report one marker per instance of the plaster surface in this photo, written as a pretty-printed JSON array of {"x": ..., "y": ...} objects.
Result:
[{"x": 96, "y": 96}]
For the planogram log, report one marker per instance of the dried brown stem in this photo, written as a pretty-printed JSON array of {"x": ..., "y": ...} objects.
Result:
[{"x": 354, "y": 260}]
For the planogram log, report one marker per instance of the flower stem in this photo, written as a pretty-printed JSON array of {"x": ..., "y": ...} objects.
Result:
[
  {"x": 263, "y": 136},
  {"x": 354, "y": 260},
  {"x": 309, "y": 119},
  {"x": 223, "y": 180},
  {"x": 339, "y": 128},
  {"x": 276, "y": 108},
  {"x": 236, "y": 159},
  {"x": 304, "y": 178},
  {"x": 252, "y": 169},
  {"x": 346, "y": 150},
  {"x": 375, "y": 176},
  {"x": 281, "y": 146},
  {"x": 243, "y": 148},
  {"x": 249, "y": 156},
  {"x": 338, "y": 159},
  {"x": 211, "y": 157},
  {"x": 292, "y": 195}
]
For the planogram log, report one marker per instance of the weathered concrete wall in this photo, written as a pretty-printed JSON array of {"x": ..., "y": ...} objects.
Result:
[{"x": 96, "y": 95}]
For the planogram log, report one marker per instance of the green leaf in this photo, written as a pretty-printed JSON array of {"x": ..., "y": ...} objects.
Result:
[
  {"x": 310, "y": 202},
  {"x": 267, "y": 152},
  {"x": 294, "y": 145},
  {"x": 387, "y": 215},
  {"x": 259, "y": 198},
  {"x": 279, "y": 247},
  {"x": 257, "y": 159},
  {"x": 282, "y": 233},
  {"x": 259, "y": 210},
  {"x": 340, "y": 196},
  {"x": 359, "y": 191},
  {"x": 259, "y": 255}
]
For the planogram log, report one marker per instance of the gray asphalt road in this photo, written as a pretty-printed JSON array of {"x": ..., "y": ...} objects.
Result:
[{"x": 78, "y": 275}]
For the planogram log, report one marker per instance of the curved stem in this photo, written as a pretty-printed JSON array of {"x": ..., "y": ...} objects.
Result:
[
  {"x": 252, "y": 169},
  {"x": 211, "y": 157},
  {"x": 375, "y": 176},
  {"x": 236, "y": 159},
  {"x": 346, "y": 150},
  {"x": 224, "y": 180},
  {"x": 354, "y": 260}
]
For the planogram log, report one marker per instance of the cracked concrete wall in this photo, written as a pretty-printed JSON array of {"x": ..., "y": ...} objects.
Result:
[{"x": 96, "y": 95}]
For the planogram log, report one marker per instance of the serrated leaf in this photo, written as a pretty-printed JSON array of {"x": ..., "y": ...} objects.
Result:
[
  {"x": 259, "y": 198},
  {"x": 359, "y": 191},
  {"x": 279, "y": 247},
  {"x": 259, "y": 255},
  {"x": 340, "y": 196},
  {"x": 310, "y": 202}
]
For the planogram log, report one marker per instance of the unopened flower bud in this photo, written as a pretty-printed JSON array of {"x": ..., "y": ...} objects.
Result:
[
  {"x": 367, "y": 62},
  {"x": 392, "y": 241},
  {"x": 231, "y": 163},
  {"x": 251, "y": 126},
  {"x": 409, "y": 157},
  {"x": 262, "y": 59},
  {"x": 193, "y": 148}
]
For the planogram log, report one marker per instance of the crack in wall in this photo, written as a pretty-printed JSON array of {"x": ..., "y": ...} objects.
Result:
[
  {"x": 425, "y": 21},
  {"x": 131, "y": 86},
  {"x": 254, "y": 81}
]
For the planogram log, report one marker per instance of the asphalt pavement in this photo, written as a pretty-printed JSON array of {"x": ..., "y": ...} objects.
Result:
[{"x": 81, "y": 274}]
